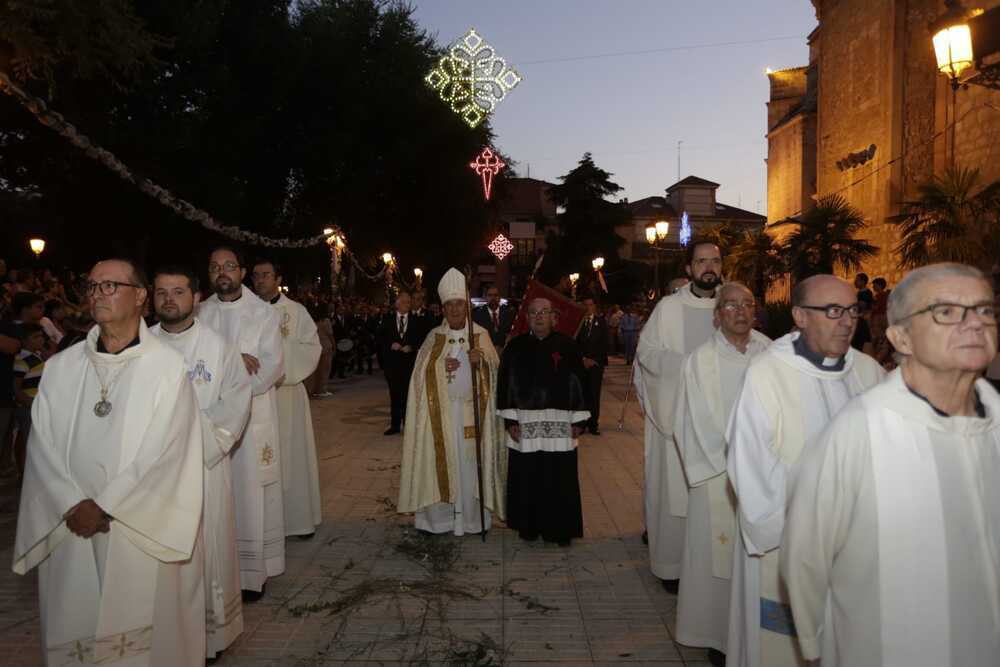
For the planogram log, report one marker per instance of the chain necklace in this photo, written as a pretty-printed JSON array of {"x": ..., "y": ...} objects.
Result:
[{"x": 103, "y": 407}]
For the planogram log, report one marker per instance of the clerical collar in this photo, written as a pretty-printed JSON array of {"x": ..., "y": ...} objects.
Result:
[
  {"x": 104, "y": 350},
  {"x": 276, "y": 297},
  {"x": 175, "y": 333},
  {"x": 815, "y": 358},
  {"x": 234, "y": 300},
  {"x": 979, "y": 407}
]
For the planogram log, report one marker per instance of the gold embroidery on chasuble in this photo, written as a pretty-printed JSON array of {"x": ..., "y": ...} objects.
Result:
[{"x": 434, "y": 409}]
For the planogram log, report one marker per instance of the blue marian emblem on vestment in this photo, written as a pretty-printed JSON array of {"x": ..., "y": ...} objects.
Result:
[{"x": 199, "y": 374}]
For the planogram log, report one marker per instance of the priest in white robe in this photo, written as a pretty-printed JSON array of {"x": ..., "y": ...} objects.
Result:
[
  {"x": 222, "y": 386},
  {"x": 439, "y": 476},
  {"x": 111, "y": 504},
  {"x": 891, "y": 550},
  {"x": 302, "y": 350},
  {"x": 253, "y": 328},
  {"x": 680, "y": 323},
  {"x": 711, "y": 377},
  {"x": 790, "y": 393}
]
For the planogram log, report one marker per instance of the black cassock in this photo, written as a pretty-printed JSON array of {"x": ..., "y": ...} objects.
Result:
[{"x": 543, "y": 488}]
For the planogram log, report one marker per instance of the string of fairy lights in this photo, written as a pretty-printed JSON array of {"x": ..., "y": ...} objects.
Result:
[{"x": 471, "y": 78}]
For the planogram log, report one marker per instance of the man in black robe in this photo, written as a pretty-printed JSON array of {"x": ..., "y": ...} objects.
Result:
[{"x": 541, "y": 396}]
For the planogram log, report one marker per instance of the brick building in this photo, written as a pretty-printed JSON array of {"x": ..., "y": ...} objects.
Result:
[{"x": 870, "y": 117}]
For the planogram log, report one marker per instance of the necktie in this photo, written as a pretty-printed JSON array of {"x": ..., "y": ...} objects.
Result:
[
  {"x": 402, "y": 325},
  {"x": 496, "y": 319}
]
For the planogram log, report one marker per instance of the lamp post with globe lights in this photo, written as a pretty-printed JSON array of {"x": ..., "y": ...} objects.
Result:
[{"x": 655, "y": 234}]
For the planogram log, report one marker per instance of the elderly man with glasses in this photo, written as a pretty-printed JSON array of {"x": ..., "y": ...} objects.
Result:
[
  {"x": 711, "y": 377},
  {"x": 892, "y": 540},
  {"x": 111, "y": 505},
  {"x": 790, "y": 393}
]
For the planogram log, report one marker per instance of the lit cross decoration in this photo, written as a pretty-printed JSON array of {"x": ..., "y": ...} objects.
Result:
[
  {"x": 501, "y": 247},
  {"x": 685, "y": 233},
  {"x": 487, "y": 165},
  {"x": 472, "y": 78}
]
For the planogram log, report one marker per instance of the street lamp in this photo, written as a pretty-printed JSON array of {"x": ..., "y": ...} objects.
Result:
[
  {"x": 953, "y": 40},
  {"x": 656, "y": 233},
  {"x": 966, "y": 42},
  {"x": 37, "y": 246}
]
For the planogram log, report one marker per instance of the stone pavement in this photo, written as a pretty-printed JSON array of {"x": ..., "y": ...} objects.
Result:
[{"x": 368, "y": 590}]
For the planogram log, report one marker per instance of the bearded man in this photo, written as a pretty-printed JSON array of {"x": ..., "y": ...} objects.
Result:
[
  {"x": 253, "y": 328},
  {"x": 680, "y": 323}
]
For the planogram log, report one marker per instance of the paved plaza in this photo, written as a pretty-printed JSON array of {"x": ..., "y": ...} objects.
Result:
[{"x": 369, "y": 590}]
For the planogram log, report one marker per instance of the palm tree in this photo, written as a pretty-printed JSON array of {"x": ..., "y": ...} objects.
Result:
[
  {"x": 825, "y": 239},
  {"x": 950, "y": 222},
  {"x": 756, "y": 260}
]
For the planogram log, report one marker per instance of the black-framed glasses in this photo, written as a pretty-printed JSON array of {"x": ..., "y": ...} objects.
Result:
[
  {"x": 949, "y": 314},
  {"x": 106, "y": 287},
  {"x": 543, "y": 311},
  {"x": 835, "y": 311},
  {"x": 228, "y": 266}
]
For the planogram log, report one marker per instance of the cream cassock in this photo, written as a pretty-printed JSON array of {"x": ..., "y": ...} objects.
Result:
[
  {"x": 784, "y": 404},
  {"x": 299, "y": 469},
  {"x": 710, "y": 381},
  {"x": 135, "y": 595},
  {"x": 439, "y": 474},
  {"x": 222, "y": 386},
  {"x": 679, "y": 323},
  {"x": 253, "y": 327},
  {"x": 895, "y": 518}
]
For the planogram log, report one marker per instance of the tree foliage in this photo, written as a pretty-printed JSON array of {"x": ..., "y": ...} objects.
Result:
[
  {"x": 952, "y": 219},
  {"x": 825, "y": 239},
  {"x": 278, "y": 116},
  {"x": 586, "y": 221}
]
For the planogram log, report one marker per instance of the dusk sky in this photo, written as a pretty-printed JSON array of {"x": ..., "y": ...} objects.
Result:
[{"x": 631, "y": 110}]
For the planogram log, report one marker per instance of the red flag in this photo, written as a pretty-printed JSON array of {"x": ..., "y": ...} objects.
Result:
[{"x": 570, "y": 313}]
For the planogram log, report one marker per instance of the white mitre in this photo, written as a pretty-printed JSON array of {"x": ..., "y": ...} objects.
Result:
[{"x": 452, "y": 286}]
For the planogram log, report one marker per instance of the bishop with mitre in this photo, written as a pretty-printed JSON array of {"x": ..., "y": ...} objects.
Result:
[
  {"x": 111, "y": 505},
  {"x": 439, "y": 479}
]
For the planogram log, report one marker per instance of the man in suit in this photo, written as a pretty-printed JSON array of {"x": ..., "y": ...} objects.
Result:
[
  {"x": 397, "y": 341},
  {"x": 423, "y": 320},
  {"x": 496, "y": 319},
  {"x": 593, "y": 341}
]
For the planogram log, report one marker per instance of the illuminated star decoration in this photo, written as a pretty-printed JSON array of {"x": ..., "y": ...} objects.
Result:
[
  {"x": 487, "y": 165},
  {"x": 472, "y": 78},
  {"x": 501, "y": 247},
  {"x": 685, "y": 233}
]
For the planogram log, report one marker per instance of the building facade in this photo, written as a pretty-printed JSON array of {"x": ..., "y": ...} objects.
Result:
[{"x": 870, "y": 118}]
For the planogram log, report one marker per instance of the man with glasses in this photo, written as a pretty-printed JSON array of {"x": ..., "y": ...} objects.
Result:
[
  {"x": 111, "y": 506},
  {"x": 679, "y": 324},
  {"x": 253, "y": 327},
  {"x": 301, "y": 351},
  {"x": 895, "y": 518},
  {"x": 541, "y": 396},
  {"x": 791, "y": 392},
  {"x": 711, "y": 377}
]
